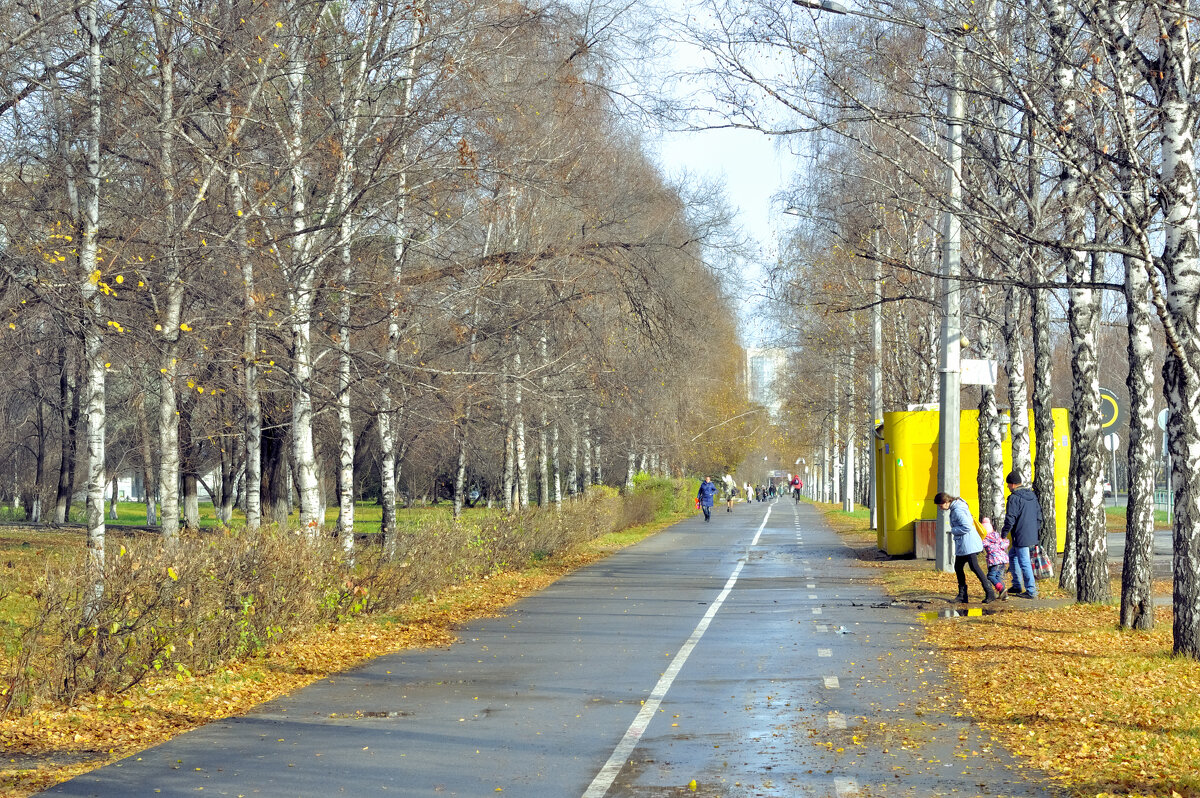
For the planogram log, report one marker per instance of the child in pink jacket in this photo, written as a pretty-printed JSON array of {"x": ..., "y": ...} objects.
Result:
[{"x": 996, "y": 548}]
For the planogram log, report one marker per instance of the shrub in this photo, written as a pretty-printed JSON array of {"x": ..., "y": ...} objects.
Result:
[{"x": 216, "y": 597}]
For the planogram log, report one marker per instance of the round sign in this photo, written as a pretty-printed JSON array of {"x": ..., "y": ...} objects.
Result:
[
  {"x": 1162, "y": 419},
  {"x": 1112, "y": 441},
  {"x": 1111, "y": 416}
]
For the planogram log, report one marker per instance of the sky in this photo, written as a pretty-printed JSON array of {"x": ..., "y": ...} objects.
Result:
[{"x": 751, "y": 172}]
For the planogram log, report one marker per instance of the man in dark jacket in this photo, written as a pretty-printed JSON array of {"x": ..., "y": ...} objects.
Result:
[
  {"x": 705, "y": 495},
  {"x": 1022, "y": 523}
]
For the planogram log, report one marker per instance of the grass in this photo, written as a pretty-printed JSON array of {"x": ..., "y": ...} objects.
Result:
[
  {"x": 1115, "y": 519},
  {"x": 1104, "y": 711},
  {"x": 367, "y": 515}
]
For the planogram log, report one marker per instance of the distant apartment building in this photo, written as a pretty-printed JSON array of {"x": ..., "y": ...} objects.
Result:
[{"x": 764, "y": 370}]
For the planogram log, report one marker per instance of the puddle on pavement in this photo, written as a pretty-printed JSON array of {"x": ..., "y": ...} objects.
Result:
[
  {"x": 973, "y": 612},
  {"x": 367, "y": 713}
]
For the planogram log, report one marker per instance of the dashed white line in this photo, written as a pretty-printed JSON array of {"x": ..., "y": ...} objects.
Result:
[
  {"x": 845, "y": 788},
  {"x": 816, "y": 610},
  {"x": 832, "y": 683},
  {"x": 824, "y": 652},
  {"x": 836, "y": 720}
]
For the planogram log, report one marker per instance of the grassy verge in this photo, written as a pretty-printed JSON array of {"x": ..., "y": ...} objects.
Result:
[
  {"x": 50, "y": 743},
  {"x": 1105, "y": 712},
  {"x": 367, "y": 515}
]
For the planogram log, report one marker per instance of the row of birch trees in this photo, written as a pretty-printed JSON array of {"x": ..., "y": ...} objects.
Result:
[
  {"x": 296, "y": 253},
  {"x": 1078, "y": 190}
]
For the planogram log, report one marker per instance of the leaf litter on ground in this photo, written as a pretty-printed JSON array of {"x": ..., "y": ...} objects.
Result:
[{"x": 1102, "y": 711}]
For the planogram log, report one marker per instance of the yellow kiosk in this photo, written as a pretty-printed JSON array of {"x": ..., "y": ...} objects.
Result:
[{"x": 907, "y": 464}]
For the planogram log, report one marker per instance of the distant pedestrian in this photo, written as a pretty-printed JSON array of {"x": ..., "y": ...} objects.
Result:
[
  {"x": 997, "y": 557},
  {"x": 1022, "y": 524},
  {"x": 705, "y": 496},
  {"x": 730, "y": 493},
  {"x": 749, "y": 492},
  {"x": 967, "y": 546}
]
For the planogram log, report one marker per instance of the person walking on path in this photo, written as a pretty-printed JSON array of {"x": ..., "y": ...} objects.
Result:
[
  {"x": 997, "y": 557},
  {"x": 705, "y": 495},
  {"x": 730, "y": 493},
  {"x": 967, "y": 546},
  {"x": 1022, "y": 523}
]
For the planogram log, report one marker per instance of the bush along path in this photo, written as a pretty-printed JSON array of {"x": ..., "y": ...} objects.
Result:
[
  {"x": 1105, "y": 712},
  {"x": 226, "y": 621}
]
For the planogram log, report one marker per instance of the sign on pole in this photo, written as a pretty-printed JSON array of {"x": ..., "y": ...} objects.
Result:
[
  {"x": 978, "y": 372},
  {"x": 1112, "y": 415}
]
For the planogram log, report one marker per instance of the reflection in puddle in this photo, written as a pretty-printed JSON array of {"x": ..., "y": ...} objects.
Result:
[{"x": 972, "y": 612}]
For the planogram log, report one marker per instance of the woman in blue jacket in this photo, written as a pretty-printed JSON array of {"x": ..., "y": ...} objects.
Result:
[{"x": 967, "y": 546}]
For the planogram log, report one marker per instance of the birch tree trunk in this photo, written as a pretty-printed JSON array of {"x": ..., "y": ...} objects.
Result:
[
  {"x": 543, "y": 431},
  {"x": 352, "y": 82},
  {"x": 92, "y": 336},
  {"x": 572, "y": 463},
  {"x": 522, "y": 462},
  {"x": 171, "y": 315},
  {"x": 400, "y": 248},
  {"x": 506, "y": 419},
  {"x": 1137, "y": 568},
  {"x": 464, "y": 425},
  {"x": 835, "y": 464},
  {"x": 253, "y": 418},
  {"x": 1043, "y": 418},
  {"x": 1181, "y": 251},
  {"x": 586, "y": 434},
  {"x": 1043, "y": 351},
  {"x": 555, "y": 464},
  {"x": 253, "y": 422},
  {"x": 68, "y": 397},
  {"x": 991, "y": 497},
  {"x": 1091, "y": 542},
  {"x": 848, "y": 487},
  {"x": 1014, "y": 345},
  {"x": 300, "y": 274},
  {"x": 147, "y": 460},
  {"x": 1137, "y": 600}
]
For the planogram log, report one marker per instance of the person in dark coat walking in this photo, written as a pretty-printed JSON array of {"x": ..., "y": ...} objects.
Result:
[
  {"x": 1022, "y": 524},
  {"x": 705, "y": 495}
]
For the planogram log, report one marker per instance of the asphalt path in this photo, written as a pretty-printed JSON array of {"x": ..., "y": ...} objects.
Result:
[{"x": 748, "y": 656}]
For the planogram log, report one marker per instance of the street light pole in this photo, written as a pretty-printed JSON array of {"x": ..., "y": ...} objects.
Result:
[
  {"x": 950, "y": 400},
  {"x": 876, "y": 377},
  {"x": 950, "y": 382}
]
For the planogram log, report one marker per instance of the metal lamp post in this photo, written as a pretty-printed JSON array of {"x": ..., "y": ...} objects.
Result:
[{"x": 949, "y": 404}]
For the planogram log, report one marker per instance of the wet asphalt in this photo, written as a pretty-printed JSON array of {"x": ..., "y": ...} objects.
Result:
[{"x": 748, "y": 656}]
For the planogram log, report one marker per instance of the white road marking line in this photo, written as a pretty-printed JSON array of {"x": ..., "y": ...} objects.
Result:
[
  {"x": 836, "y": 720},
  {"x": 816, "y": 610},
  {"x": 832, "y": 683},
  {"x": 824, "y": 652},
  {"x": 812, "y": 595},
  {"x": 811, "y": 586},
  {"x": 845, "y": 788},
  {"x": 612, "y": 768},
  {"x": 822, "y": 627}
]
